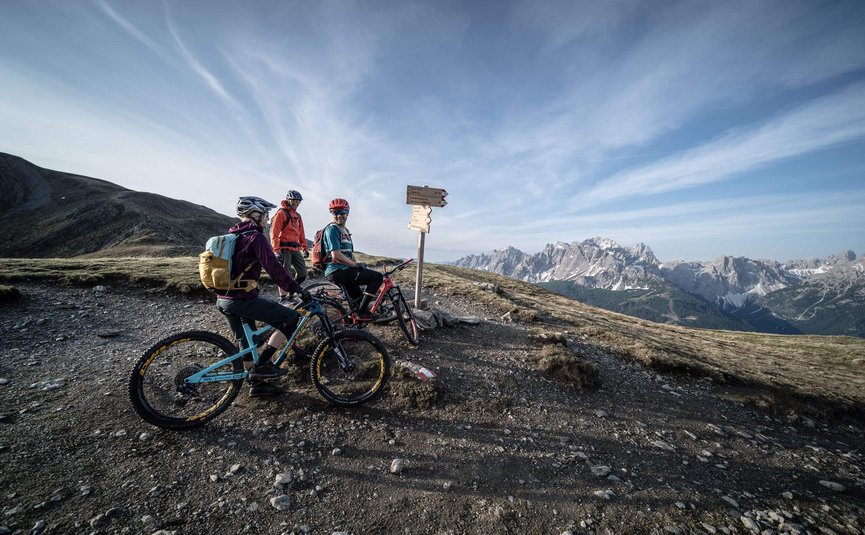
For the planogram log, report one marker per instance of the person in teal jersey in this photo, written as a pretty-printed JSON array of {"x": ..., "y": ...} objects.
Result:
[{"x": 342, "y": 268}]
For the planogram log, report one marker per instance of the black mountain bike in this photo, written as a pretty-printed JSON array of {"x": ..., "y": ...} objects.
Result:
[{"x": 389, "y": 305}]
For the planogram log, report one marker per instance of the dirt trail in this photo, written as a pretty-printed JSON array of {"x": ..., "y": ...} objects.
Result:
[{"x": 503, "y": 449}]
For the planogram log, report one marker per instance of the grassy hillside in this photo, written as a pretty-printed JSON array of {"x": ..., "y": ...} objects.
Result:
[
  {"x": 816, "y": 309},
  {"x": 54, "y": 214},
  {"x": 825, "y": 370}
]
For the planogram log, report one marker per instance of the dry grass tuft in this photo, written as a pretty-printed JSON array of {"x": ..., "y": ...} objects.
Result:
[
  {"x": 564, "y": 366},
  {"x": 549, "y": 338},
  {"x": 407, "y": 391}
]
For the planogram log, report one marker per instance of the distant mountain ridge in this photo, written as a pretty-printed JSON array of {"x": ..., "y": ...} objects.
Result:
[
  {"x": 56, "y": 214},
  {"x": 596, "y": 262},
  {"x": 817, "y": 296}
]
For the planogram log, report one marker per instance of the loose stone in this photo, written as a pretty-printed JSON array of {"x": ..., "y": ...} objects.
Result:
[
  {"x": 600, "y": 470},
  {"x": 731, "y": 501},
  {"x": 281, "y": 502},
  {"x": 664, "y": 445},
  {"x": 837, "y": 487},
  {"x": 750, "y": 524}
]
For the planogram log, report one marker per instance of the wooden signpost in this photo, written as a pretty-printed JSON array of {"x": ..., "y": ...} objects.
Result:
[
  {"x": 423, "y": 198},
  {"x": 426, "y": 196}
]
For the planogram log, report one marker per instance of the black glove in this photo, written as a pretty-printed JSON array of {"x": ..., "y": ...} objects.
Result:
[
  {"x": 280, "y": 258},
  {"x": 306, "y": 254},
  {"x": 305, "y": 296},
  {"x": 360, "y": 265}
]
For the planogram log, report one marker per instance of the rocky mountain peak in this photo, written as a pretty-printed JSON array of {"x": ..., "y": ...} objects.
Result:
[
  {"x": 601, "y": 243},
  {"x": 731, "y": 282},
  {"x": 596, "y": 262}
]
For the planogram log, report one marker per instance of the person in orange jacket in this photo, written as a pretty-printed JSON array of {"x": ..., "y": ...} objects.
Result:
[{"x": 288, "y": 239}]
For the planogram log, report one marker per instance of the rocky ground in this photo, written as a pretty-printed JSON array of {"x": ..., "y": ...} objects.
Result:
[{"x": 502, "y": 449}]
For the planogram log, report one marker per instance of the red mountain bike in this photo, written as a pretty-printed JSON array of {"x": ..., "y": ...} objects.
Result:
[{"x": 389, "y": 305}]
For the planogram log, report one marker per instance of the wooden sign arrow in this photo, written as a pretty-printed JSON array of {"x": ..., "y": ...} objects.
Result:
[{"x": 426, "y": 196}]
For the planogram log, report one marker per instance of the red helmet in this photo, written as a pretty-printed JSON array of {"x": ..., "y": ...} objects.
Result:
[{"x": 338, "y": 204}]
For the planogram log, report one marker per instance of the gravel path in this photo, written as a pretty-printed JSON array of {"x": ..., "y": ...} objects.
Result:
[{"x": 503, "y": 449}]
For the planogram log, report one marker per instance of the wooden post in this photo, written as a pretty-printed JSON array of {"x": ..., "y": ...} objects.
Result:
[
  {"x": 423, "y": 198},
  {"x": 419, "y": 278}
]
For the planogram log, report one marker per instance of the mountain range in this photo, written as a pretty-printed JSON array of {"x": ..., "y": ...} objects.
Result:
[
  {"x": 49, "y": 213},
  {"x": 814, "y": 296}
]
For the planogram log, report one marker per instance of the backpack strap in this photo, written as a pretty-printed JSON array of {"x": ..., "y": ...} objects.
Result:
[
  {"x": 287, "y": 219},
  {"x": 235, "y": 284}
]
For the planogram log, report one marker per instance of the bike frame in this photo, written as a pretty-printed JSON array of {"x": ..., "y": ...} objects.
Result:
[
  {"x": 386, "y": 285},
  {"x": 207, "y": 375}
]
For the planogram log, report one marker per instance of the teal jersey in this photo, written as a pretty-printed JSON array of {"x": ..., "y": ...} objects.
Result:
[{"x": 333, "y": 239}]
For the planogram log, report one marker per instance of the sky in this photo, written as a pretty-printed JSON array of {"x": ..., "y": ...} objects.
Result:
[{"x": 700, "y": 128}]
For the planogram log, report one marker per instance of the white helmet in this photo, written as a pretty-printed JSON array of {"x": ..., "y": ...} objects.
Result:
[{"x": 247, "y": 205}]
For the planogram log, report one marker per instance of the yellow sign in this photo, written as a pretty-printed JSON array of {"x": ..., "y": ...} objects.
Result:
[
  {"x": 425, "y": 196},
  {"x": 420, "y": 218}
]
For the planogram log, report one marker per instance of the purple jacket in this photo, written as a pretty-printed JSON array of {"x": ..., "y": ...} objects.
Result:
[{"x": 254, "y": 248}]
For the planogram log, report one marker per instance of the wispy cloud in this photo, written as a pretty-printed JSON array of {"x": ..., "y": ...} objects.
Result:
[
  {"x": 686, "y": 226},
  {"x": 834, "y": 119},
  {"x": 546, "y": 121},
  {"x": 131, "y": 28},
  {"x": 198, "y": 68}
]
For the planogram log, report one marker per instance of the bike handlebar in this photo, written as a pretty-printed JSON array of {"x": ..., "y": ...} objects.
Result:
[{"x": 399, "y": 267}]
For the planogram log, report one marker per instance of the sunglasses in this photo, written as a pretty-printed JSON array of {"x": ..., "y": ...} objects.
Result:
[{"x": 340, "y": 212}]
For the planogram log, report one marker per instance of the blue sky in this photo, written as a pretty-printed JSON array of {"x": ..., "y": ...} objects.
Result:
[{"x": 699, "y": 128}]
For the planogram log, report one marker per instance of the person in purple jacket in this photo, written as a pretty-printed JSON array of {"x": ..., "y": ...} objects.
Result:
[{"x": 252, "y": 251}]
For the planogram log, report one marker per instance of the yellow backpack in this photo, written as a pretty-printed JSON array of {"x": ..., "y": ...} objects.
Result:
[{"x": 214, "y": 265}]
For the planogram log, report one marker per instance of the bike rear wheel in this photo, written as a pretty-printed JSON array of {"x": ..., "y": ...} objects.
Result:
[
  {"x": 356, "y": 379},
  {"x": 157, "y": 390},
  {"x": 405, "y": 317}
]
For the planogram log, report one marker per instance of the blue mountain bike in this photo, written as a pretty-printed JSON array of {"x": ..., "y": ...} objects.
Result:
[{"x": 192, "y": 377}]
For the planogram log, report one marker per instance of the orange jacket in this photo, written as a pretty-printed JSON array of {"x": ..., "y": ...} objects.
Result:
[{"x": 286, "y": 230}]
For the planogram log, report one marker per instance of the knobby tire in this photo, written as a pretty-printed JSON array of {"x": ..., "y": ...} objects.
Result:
[
  {"x": 364, "y": 382},
  {"x": 405, "y": 317},
  {"x": 156, "y": 385}
]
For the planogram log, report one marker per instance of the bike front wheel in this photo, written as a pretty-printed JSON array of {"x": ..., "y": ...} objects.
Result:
[
  {"x": 351, "y": 368},
  {"x": 157, "y": 389},
  {"x": 405, "y": 317}
]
